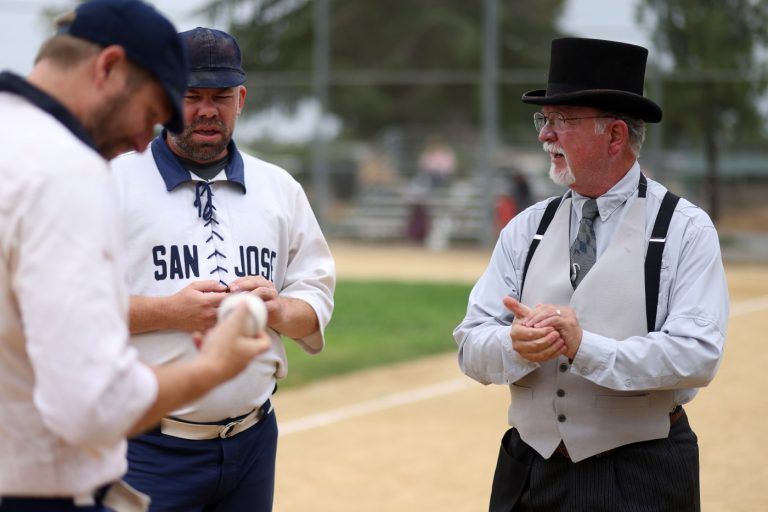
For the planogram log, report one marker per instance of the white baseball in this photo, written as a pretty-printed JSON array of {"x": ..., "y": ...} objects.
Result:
[{"x": 257, "y": 320}]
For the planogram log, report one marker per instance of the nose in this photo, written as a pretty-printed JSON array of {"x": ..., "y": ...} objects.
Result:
[
  {"x": 207, "y": 108},
  {"x": 547, "y": 134}
]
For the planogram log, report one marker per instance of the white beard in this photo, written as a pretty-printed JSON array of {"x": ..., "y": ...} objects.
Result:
[{"x": 563, "y": 178}]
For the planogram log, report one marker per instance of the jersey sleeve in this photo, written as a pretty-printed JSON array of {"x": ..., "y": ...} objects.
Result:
[{"x": 311, "y": 273}]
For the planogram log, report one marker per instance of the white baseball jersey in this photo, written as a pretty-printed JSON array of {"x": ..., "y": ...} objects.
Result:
[
  {"x": 251, "y": 219},
  {"x": 70, "y": 385}
]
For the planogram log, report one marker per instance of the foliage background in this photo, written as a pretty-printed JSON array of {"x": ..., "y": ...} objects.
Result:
[{"x": 412, "y": 68}]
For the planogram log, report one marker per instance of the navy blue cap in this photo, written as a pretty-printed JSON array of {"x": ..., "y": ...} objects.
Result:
[
  {"x": 215, "y": 58},
  {"x": 149, "y": 40}
]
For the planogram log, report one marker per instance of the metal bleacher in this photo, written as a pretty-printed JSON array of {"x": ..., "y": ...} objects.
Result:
[{"x": 382, "y": 213}]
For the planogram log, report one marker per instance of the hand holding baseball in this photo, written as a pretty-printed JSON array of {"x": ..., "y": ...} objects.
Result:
[
  {"x": 236, "y": 339},
  {"x": 257, "y": 311}
]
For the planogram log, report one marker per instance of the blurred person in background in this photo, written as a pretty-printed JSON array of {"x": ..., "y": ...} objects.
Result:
[
  {"x": 513, "y": 200},
  {"x": 437, "y": 163}
]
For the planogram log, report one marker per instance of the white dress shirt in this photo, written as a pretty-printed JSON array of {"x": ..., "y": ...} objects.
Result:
[
  {"x": 70, "y": 386},
  {"x": 683, "y": 353}
]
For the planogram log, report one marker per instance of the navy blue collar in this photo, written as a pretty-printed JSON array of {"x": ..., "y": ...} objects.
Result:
[
  {"x": 13, "y": 83},
  {"x": 174, "y": 174}
]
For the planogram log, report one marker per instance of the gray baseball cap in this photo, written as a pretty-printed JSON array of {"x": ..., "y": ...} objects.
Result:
[{"x": 215, "y": 59}]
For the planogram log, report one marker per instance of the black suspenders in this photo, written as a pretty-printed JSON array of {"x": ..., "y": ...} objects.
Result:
[
  {"x": 549, "y": 214},
  {"x": 652, "y": 257}
]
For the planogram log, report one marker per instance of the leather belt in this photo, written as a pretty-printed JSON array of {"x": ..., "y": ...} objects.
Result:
[
  {"x": 201, "y": 431},
  {"x": 675, "y": 415}
]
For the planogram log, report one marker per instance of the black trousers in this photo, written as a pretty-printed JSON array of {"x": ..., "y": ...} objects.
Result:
[{"x": 652, "y": 476}]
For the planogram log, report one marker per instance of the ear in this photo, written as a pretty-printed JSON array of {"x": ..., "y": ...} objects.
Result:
[
  {"x": 242, "y": 93},
  {"x": 109, "y": 62},
  {"x": 619, "y": 137}
]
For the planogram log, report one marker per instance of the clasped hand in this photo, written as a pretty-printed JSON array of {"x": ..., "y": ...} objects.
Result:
[
  {"x": 545, "y": 332},
  {"x": 194, "y": 307}
]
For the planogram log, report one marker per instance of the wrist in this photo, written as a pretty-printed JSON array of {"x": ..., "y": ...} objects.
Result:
[
  {"x": 150, "y": 314},
  {"x": 208, "y": 370}
]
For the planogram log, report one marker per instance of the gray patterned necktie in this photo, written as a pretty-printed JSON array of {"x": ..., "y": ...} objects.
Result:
[{"x": 584, "y": 248}]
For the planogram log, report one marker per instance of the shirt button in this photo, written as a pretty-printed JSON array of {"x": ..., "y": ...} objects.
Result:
[
  {"x": 584, "y": 370},
  {"x": 560, "y": 393},
  {"x": 563, "y": 367},
  {"x": 561, "y": 418}
]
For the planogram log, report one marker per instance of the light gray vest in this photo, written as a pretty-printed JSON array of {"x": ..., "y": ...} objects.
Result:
[{"x": 555, "y": 402}]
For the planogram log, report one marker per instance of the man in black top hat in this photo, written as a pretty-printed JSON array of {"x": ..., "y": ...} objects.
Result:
[{"x": 603, "y": 310}]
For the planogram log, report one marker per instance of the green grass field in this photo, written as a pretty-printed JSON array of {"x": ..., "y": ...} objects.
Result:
[{"x": 381, "y": 322}]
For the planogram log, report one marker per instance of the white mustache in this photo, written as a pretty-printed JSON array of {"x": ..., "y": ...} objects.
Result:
[{"x": 551, "y": 147}]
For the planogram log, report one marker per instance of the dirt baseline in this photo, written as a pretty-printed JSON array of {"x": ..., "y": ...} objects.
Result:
[{"x": 420, "y": 436}]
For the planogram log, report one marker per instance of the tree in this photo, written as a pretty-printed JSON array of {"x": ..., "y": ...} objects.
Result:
[
  {"x": 712, "y": 91},
  {"x": 403, "y": 62}
]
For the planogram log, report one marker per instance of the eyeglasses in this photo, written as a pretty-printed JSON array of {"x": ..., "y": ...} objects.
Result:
[{"x": 556, "y": 120}]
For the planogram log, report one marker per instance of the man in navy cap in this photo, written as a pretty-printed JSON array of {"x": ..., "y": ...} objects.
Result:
[
  {"x": 202, "y": 218},
  {"x": 71, "y": 387},
  {"x": 603, "y": 310}
]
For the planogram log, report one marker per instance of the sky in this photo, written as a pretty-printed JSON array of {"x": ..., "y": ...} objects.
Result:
[{"x": 23, "y": 29}]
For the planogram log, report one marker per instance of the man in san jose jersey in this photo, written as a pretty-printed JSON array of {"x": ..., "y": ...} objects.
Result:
[{"x": 202, "y": 219}]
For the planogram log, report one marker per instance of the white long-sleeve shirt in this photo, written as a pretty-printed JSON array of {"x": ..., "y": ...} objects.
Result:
[
  {"x": 70, "y": 386},
  {"x": 683, "y": 352}
]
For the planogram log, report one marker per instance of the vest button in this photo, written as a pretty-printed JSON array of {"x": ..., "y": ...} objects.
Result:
[
  {"x": 560, "y": 393},
  {"x": 563, "y": 367},
  {"x": 561, "y": 418}
]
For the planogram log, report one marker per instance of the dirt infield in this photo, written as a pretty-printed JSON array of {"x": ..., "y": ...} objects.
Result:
[{"x": 420, "y": 436}]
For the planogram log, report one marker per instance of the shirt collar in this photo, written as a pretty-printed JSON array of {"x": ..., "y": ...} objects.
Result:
[
  {"x": 10, "y": 82},
  {"x": 174, "y": 174},
  {"x": 615, "y": 197}
]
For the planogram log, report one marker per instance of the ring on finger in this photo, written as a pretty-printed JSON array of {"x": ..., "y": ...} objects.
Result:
[{"x": 557, "y": 312}]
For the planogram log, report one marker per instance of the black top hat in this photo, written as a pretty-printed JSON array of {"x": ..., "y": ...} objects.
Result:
[{"x": 594, "y": 73}]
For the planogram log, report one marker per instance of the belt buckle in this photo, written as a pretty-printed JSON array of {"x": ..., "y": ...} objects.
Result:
[{"x": 228, "y": 428}]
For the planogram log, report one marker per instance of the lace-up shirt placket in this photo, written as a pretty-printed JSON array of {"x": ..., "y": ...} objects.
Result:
[
  {"x": 211, "y": 255},
  {"x": 207, "y": 212}
]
